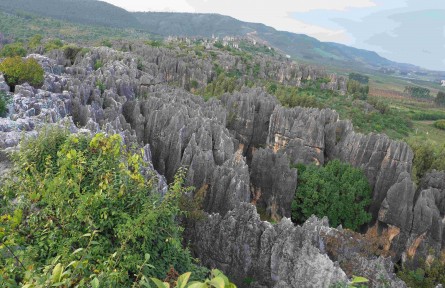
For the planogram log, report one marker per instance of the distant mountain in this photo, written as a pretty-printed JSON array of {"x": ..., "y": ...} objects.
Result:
[
  {"x": 89, "y": 12},
  {"x": 299, "y": 46}
]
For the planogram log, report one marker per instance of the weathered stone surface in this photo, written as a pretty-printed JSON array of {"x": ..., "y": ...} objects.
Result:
[
  {"x": 273, "y": 183},
  {"x": 229, "y": 186},
  {"x": 300, "y": 133},
  {"x": 248, "y": 116},
  {"x": 273, "y": 256},
  {"x": 281, "y": 255},
  {"x": 3, "y": 85},
  {"x": 427, "y": 236}
]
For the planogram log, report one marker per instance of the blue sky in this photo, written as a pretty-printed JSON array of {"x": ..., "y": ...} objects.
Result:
[{"x": 410, "y": 31}]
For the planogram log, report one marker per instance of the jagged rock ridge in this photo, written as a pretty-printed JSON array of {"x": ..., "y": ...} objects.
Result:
[{"x": 237, "y": 150}]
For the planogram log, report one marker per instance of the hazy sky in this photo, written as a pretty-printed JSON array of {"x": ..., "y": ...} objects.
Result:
[{"x": 411, "y": 31}]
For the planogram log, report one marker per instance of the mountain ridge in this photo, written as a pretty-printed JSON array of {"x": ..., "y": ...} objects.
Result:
[{"x": 299, "y": 46}]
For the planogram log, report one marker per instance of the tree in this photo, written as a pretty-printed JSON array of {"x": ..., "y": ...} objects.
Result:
[
  {"x": 417, "y": 92},
  {"x": 18, "y": 71},
  {"x": 359, "y": 77},
  {"x": 88, "y": 204},
  {"x": 357, "y": 90},
  {"x": 440, "y": 98},
  {"x": 337, "y": 190},
  {"x": 14, "y": 49}
]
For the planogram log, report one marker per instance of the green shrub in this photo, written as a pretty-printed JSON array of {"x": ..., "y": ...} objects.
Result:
[
  {"x": 417, "y": 92},
  {"x": 357, "y": 90},
  {"x": 98, "y": 64},
  {"x": 427, "y": 156},
  {"x": 18, "y": 71},
  {"x": 12, "y": 50},
  {"x": 35, "y": 41},
  {"x": 363, "y": 79},
  {"x": 106, "y": 43},
  {"x": 337, "y": 190},
  {"x": 426, "y": 276},
  {"x": 70, "y": 52},
  {"x": 440, "y": 98},
  {"x": 3, "y": 103},
  {"x": 53, "y": 44},
  {"x": 86, "y": 212},
  {"x": 440, "y": 124}
]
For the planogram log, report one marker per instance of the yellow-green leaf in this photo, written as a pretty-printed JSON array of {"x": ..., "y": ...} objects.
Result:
[
  {"x": 159, "y": 283},
  {"x": 95, "y": 283},
  {"x": 57, "y": 273},
  {"x": 183, "y": 279},
  {"x": 358, "y": 279},
  {"x": 217, "y": 282}
]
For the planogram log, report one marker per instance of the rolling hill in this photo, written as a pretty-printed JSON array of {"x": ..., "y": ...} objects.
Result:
[{"x": 299, "y": 46}]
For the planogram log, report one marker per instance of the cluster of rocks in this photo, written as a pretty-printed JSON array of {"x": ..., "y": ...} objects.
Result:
[{"x": 238, "y": 151}]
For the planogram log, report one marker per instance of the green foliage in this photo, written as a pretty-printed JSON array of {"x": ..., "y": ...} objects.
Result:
[
  {"x": 440, "y": 98},
  {"x": 3, "y": 102},
  {"x": 53, "y": 44},
  {"x": 362, "y": 79},
  {"x": 71, "y": 52},
  {"x": 101, "y": 86},
  {"x": 18, "y": 71},
  {"x": 418, "y": 92},
  {"x": 217, "y": 279},
  {"x": 35, "y": 41},
  {"x": 336, "y": 190},
  {"x": 83, "y": 211},
  {"x": 426, "y": 276},
  {"x": 357, "y": 90},
  {"x": 154, "y": 43},
  {"x": 427, "y": 157},
  {"x": 98, "y": 64},
  {"x": 106, "y": 43},
  {"x": 440, "y": 124},
  {"x": 12, "y": 50},
  {"x": 290, "y": 96}
]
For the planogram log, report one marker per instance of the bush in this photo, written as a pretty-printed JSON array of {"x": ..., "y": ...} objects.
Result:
[
  {"x": 426, "y": 276},
  {"x": 12, "y": 50},
  {"x": 3, "y": 103},
  {"x": 427, "y": 156},
  {"x": 86, "y": 212},
  {"x": 357, "y": 90},
  {"x": 18, "y": 71},
  {"x": 363, "y": 79},
  {"x": 337, "y": 190},
  {"x": 71, "y": 52},
  {"x": 440, "y": 124},
  {"x": 417, "y": 92},
  {"x": 53, "y": 45},
  {"x": 440, "y": 98},
  {"x": 98, "y": 64}
]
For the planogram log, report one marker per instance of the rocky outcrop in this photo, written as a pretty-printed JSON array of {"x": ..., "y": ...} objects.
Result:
[
  {"x": 248, "y": 116},
  {"x": 273, "y": 183},
  {"x": 281, "y": 255},
  {"x": 300, "y": 133},
  {"x": 238, "y": 149},
  {"x": 427, "y": 237}
]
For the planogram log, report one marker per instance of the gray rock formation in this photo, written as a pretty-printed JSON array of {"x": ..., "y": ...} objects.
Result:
[
  {"x": 281, "y": 255},
  {"x": 222, "y": 143},
  {"x": 300, "y": 133},
  {"x": 273, "y": 183}
]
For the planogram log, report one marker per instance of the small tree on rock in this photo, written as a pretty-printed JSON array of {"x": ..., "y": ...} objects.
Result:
[{"x": 18, "y": 71}]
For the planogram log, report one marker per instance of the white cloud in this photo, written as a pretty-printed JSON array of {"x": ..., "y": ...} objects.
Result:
[
  {"x": 277, "y": 13},
  {"x": 153, "y": 5},
  {"x": 337, "y": 5}
]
